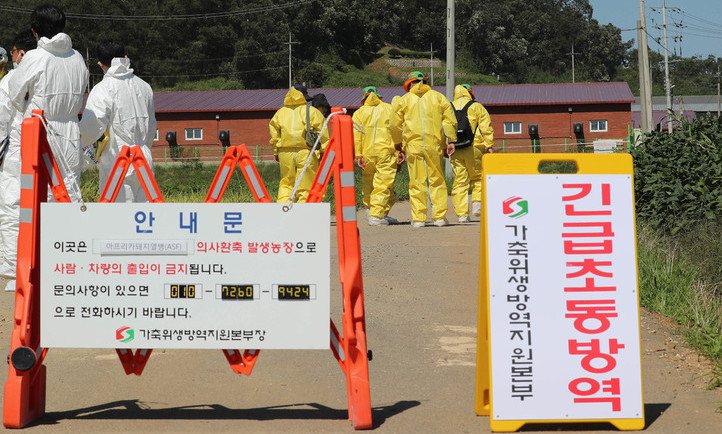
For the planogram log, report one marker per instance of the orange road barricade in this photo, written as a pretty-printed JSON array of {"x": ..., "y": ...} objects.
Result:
[
  {"x": 24, "y": 393},
  {"x": 350, "y": 349},
  {"x": 25, "y": 386}
]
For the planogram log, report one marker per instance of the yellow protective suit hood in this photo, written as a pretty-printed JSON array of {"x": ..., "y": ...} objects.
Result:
[
  {"x": 294, "y": 98},
  {"x": 422, "y": 115},
  {"x": 420, "y": 88},
  {"x": 461, "y": 92},
  {"x": 372, "y": 100},
  {"x": 288, "y": 126},
  {"x": 379, "y": 132}
]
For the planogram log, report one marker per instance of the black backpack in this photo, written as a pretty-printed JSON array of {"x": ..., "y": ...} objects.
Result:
[{"x": 464, "y": 134}]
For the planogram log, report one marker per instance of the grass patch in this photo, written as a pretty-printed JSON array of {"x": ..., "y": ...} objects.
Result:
[
  {"x": 189, "y": 182},
  {"x": 679, "y": 278}
]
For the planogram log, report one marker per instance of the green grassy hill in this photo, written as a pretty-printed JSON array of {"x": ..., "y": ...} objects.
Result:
[{"x": 390, "y": 68}]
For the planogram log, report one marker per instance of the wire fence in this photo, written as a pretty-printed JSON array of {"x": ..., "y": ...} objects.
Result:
[
  {"x": 204, "y": 153},
  {"x": 213, "y": 152},
  {"x": 561, "y": 145}
]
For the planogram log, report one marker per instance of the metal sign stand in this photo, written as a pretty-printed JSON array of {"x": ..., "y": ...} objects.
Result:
[{"x": 24, "y": 393}]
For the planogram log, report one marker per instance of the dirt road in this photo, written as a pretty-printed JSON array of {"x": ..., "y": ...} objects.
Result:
[{"x": 421, "y": 312}]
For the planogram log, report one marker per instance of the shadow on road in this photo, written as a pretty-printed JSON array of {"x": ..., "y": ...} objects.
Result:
[
  {"x": 134, "y": 409},
  {"x": 651, "y": 413}
]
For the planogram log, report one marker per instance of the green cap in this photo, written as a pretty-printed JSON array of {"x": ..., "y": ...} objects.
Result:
[
  {"x": 416, "y": 75},
  {"x": 369, "y": 89},
  {"x": 466, "y": 86}
]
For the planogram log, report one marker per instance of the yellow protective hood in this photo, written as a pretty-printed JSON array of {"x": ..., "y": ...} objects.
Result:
[
  {"x": 372, "y": 100},
  {"x": 461, "y": 92},
  {"x": 420, "y": 88},
  {"x": 294, "y": 98}
]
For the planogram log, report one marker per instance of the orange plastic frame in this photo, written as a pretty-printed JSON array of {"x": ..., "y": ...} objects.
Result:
[{"x": 24, "y": 393}]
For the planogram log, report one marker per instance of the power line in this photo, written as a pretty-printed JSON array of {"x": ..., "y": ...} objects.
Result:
[
  {"x": 656, "y": 40},
  {"x": 226, "y": 14},
  {"x": 218, "y": 74},
  {"x": 699, "y": 19},
  {"x": 702, "y": 35},
  {"x": 703, "y": 28},
  {"x": 215, "y": 59}
]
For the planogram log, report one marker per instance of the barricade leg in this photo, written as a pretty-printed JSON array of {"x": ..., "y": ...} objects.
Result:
[
  {"x": 237, "y": 156},
  {"x": 223, "y": 176},
  {"x": 117, "y": 174},
  {"x": 52, "y": 173},
  {"x": 353, "y": 342},
  {"x": 133, "y": 362},
  {"x": 240, "y": 362},
  {"x": 145, "y": 175},
  {"x": 253, "y": 178},
  {"x": 323, "y": 175},
  {"x": 24, "y": 392}
]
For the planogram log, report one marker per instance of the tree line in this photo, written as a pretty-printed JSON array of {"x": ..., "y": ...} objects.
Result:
[{"x": 516, "y": 40}]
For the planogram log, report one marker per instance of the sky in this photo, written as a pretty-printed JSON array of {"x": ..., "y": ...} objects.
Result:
[{"x": 698, "y": 22}]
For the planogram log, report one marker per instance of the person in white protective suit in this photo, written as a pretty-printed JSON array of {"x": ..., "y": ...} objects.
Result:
[
  {"x": 123, "y": 104},
  {"x": 3, "y": 62},
  {"x": 10, "y": 121},
  {"x": 52, "y": 78}
]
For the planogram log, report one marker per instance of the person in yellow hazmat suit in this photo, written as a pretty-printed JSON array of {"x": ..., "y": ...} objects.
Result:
[
  {"x": 292, "y": 145},
  {"x": 376, "y": 139},
  {"x": 427, "y": 121},
  {"x": 483, "y": 144},
  {"x": 473, "y": 127}
]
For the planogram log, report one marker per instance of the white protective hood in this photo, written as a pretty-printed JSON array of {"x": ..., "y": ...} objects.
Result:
[
  {"x": 54, "y": 78},
  {"x": 123, "y": 105},
  {"x": 58, "y": 45}
]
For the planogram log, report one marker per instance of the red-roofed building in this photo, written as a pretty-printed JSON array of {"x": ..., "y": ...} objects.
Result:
[{"x": 600, "y": 110}]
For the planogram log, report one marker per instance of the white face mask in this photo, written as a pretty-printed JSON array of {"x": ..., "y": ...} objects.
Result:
[{"x": 16, "y": 65}]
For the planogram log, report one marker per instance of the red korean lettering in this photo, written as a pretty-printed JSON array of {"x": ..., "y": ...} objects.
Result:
[
  {"x": 585, "y": 312},
  {"x": 590, "y": 286},
  {"x": 589, "y": 266},
  {"x": 593, "y": 354},
  {"x": 605, "y": 230},
  {"x": 572, "y": 247},
  {"x": 586, "y": 387}
]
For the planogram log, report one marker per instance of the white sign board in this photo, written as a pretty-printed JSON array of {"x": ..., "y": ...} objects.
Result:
[
  {"x": 170, "y": 275},
  {"x": 564, "y": 319}
]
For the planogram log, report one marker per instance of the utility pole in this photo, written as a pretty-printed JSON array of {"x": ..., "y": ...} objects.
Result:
[
  {"x": 432, "y": 64},
  {"x": 290, "y": 58},
  {"x": 719, "y": 102},
  {"x": 642, "y": 87},
  {"x": 450, "y": 52},
  {"x": 645, "y": 78},
  {"x": 667, "y": 84},
  {"x": 572, "y": 53},
  {"x": 644, "y": 96},
  {"x": 450, "y": 60}
]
